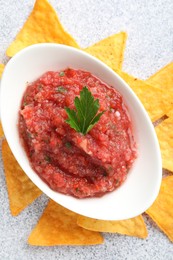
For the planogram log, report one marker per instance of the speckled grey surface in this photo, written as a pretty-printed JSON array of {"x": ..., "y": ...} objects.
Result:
[{"x": 149, "y": 25}]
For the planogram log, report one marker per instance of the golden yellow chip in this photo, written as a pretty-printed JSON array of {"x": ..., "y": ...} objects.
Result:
[
  {"x": 156, "y": 101},
  {"x": 132, "y": 227},
  {"x": 163, "y": 78},
  {"x": 41, "y": 26},
  {"x": 110, "y": 50},
  {"x": 57, "y": 226},
  {"x": 1, "y": 131},
  {"x": 1, "y": 69},
  {"x": 162, "y": 209},
  {"x": 165, "y": 136},
  {"x": 21, "y": 190}
]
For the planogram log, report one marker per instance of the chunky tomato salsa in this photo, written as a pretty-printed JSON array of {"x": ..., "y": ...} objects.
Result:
[{"x": 68, "y": 161}]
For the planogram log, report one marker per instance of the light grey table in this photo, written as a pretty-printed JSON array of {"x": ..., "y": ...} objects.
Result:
[{"x": 149, "y": 25}]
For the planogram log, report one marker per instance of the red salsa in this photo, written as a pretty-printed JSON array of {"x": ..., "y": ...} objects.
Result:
[{"x": 70, "y": 162}]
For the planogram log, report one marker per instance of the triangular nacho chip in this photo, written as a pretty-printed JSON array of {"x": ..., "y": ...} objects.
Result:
[
  {"x": 21, "y": 190},
  {"x": 57, "y": 226},
  {"x": 165, "y": 136},
  {"x": 41, "y": 26},
  {"x": 1, "y": 131},
  {"x": 110, "y": 50},
  {"x": 154, "y": 100},
  {"x": 162, "y": 209},
  {"x": 1, "y": 69},
  {"x": 163, "y": 78},
  {"x": 132, "y": 227}
]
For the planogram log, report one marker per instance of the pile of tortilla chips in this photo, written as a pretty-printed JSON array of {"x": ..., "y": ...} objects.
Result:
[{"x": 57, "y": 225}]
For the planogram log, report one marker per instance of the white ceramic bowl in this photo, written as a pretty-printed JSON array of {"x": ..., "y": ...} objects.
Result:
[{"x": 141, "y": 188}]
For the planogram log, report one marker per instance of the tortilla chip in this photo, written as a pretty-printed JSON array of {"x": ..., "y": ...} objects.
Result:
[
  {"x": 1, "y": 131},
  {"x": 21, "y": 190},
  {"x": 132, "y": 227},
  {"x": 1, "y": 69},
  {"x": 154, "y": 100},
  {"x": 165, "y": 137},
  {"x": 110, "y": 50},
  {"x": 162, "y": 209},
  {"x": 42, "y": 26},
  {"x": 163, "y": 78},
  {"x": 57, "y": 226}
]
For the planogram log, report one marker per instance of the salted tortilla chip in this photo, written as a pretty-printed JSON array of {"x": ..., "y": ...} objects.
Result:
[
  {"x": 57, "y": 226},
  {"x": 162, "y": 209},
  {"x": 154, "y": 100},
  {"x": 165, "y": 136},
  {"x": 21, "y": 190},
  {"x": 110, "y": 50},
  {"x": 1, "y": 69},
  {"x": 42, "y": 26},
  {"x": 163, "y": 78},
  {"x": 132, "y": 227}
]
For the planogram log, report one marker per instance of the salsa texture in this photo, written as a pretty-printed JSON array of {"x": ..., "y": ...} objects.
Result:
[{"x": 69, "y": 162}]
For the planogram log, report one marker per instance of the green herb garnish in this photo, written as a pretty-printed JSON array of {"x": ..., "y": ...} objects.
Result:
[
  {"x": 61, "y": 89},
  {"x": 25, "y": 103},
  {"x": 68, "y": 145},
  {"x": 47, "y": 158},
  {"x": 29, "y": 135},
  {"x": 61, "y": 73},
  {"x": 85, "y": 116}
]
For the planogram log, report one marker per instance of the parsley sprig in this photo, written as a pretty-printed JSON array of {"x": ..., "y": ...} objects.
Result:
[{"x": 85, "y": 116}]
